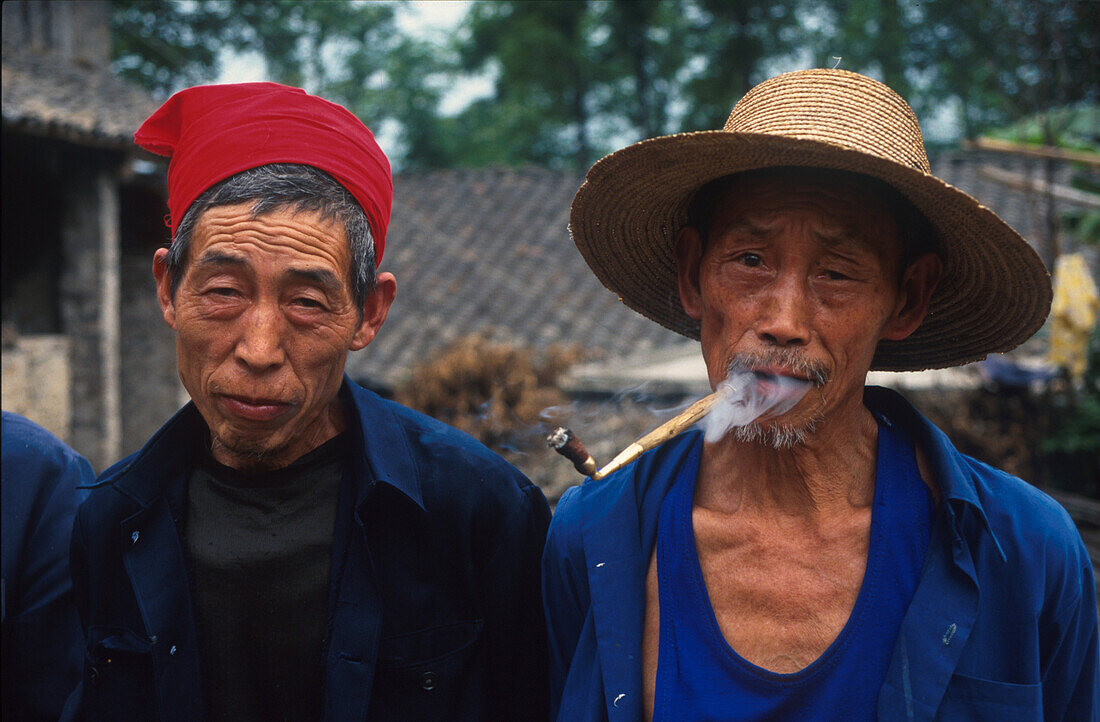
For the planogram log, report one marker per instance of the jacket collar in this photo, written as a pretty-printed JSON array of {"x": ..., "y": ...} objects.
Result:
[
  {"x": 385, "y": 456},
  {"x": 383, "y": 451},
  {"x": 954, "y": 477}
]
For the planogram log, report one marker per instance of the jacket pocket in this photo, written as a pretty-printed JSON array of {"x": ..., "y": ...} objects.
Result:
[
  {"x": 430, "y": 674},
  {"x": 970, "y": 698},
  {"x": 118, "y": 676}
]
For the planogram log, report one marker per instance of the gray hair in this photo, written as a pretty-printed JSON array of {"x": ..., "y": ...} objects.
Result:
[{"x": 279, "y": 186}]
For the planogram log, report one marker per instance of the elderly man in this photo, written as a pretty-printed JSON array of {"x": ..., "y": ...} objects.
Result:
[
  {"x": 840, "y": 560},
  {"x": 290, "y": 546}
]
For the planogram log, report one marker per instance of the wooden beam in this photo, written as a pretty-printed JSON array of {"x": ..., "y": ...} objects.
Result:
[
  {"x": 1021, "y": 182},
  {"x": 1035, "y": 151}
]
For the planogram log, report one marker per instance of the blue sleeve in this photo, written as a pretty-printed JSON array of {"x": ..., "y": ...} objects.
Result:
[
  {"x": 41, "y": 631},
  {"x": 1071, "y": 669},
  {"x": 564, "y": 591}
]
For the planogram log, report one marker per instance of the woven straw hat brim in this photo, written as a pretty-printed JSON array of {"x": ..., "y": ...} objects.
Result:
[{"x": 994, "y": 295}]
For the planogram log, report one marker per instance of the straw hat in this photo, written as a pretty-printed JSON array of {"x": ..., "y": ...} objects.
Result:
[{"x": 995, "y": 292}]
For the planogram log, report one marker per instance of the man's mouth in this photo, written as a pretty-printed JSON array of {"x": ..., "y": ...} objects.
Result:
[
  {"x": 254, "y": 409},
  {"x": 773, "y": 373},
  {"x": 779, "y": 367}
]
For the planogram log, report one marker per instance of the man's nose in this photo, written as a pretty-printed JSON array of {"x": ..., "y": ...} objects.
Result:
[
  {"x": 785, "y": 314},
  {"x": 261, "y": 343}
]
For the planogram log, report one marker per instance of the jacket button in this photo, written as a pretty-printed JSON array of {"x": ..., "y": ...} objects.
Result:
[
  {"x": 428, "y": 681},
  {"x": 134, "y": 537},
  {"x": 93, "y": 675},
  {"x": 172, "y": 650}
]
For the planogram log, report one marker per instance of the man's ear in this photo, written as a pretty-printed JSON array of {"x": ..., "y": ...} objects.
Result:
[
  {"x": 375, "y": 309},
  {"x": 164, "y": 286},
  {"x": 917, "y": 285},
  {"x": 689, "y": 254}
]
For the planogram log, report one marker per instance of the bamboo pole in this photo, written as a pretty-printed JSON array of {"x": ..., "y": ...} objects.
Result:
[
  {"x": 671, "y": 428},
  {"x": 1036, "y": 151}
]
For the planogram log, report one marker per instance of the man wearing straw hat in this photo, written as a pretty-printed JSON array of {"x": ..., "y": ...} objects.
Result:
[
  {"x": 839, "y": 560},
  {"x": 290, "y": 546}
]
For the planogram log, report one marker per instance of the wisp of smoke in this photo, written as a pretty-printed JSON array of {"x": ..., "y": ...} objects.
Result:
[{"x": 744, "y": 396}]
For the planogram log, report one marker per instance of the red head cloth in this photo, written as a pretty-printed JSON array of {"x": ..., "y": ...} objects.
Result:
[{"x": 212, "y": 132}]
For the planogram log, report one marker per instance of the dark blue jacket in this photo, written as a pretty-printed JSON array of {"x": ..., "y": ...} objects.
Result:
[
  {"x": 434, "y": 603},
  {"x": 1003, "y": 625},
  {"x": 41, "y": 632}
]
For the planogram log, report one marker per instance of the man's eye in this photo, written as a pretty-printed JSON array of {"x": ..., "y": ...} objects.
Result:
[
  {"x": 223, "y": 291},
  {"x": 750, "y": 259},
  {"x": 835, "y": 275},
  {"x": 308, "y": 302}
]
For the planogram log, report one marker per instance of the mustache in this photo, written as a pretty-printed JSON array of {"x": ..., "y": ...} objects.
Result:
[{"x": 793, "y": 361}]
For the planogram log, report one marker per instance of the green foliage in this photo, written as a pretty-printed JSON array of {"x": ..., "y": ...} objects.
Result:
[
  {"x": 646, "y": 48},
  {"x": 1073, "y": 443},
  {"x": 350, "y": 52},
  {"x": 574, "y": 80},
  {"x": 166, "y": 45},
  {"x": 736, "y": 45},
  {"x": 1080, "y": 433},
  {"x": 1084, "y": 224},
  {"x": 1073, "y": 127},
  {"x": 994, "y": 61},
  {"x": 541, "y": 107}
]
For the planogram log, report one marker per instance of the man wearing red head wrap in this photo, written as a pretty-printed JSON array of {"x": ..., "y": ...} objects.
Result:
[{"x": 290, "y": 546}]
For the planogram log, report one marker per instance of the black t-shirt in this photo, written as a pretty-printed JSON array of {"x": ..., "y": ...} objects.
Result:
[{"x": 260, "y": 547}]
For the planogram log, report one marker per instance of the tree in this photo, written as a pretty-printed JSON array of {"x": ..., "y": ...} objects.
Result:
[
  {"x": 995, "y": 62},
  {"x": 646, "y": 49},
  {"x": 733, "y": 43},
  {"x": 575, "y": 80},
  {"x": 352, "y": 53},
  {"x": 165, "y": 46},
  {"x": 540, "y": 111}
]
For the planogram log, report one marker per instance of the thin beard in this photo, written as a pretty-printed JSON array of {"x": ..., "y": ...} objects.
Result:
[
  {"x": 780, "y": 438},
  {"x": 253, "y": 457}
]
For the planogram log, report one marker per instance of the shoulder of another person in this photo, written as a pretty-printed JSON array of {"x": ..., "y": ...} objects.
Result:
[{"x": 27, "y": 446}]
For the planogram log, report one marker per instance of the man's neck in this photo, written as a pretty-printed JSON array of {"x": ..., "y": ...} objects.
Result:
[{"x": 831, "y": 472}]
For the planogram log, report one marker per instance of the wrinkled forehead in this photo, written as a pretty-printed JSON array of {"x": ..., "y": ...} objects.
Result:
[
  {"x": 285, "y": 234},
  {"x": 842, "y": 207}
]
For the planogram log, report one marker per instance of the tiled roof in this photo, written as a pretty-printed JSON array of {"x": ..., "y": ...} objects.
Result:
[
  {"x": 49, "y": 95},
  {"x": 490, "y": 249}
]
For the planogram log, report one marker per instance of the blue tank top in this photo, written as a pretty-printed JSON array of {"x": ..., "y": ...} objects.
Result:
[{"x": 700, "y": 677}]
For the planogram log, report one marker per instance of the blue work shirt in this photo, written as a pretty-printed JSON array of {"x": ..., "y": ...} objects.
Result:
[
  {"x": 434, "y": 606},
  {"x": 41, "y": 631},
  {"x": 1003, "y": 624}
]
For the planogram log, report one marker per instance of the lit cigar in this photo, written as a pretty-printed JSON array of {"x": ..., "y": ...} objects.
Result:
[
  {"x": 566, "y": 443},
  {"x": 673, "y": 427}
]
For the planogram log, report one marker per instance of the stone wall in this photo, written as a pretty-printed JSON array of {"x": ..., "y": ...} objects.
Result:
[
  {"x": 150, "y": 389},
  {"x": 36, "y": 384}
]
